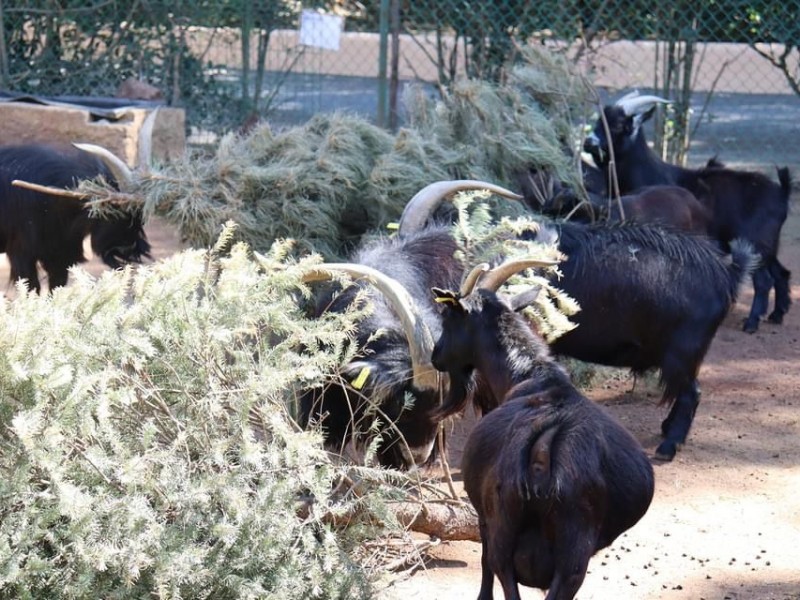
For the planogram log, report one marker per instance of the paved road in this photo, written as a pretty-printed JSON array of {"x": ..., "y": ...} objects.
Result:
[{"x": 751, "y": 129}]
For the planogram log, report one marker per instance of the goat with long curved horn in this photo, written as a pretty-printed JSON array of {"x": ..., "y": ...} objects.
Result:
[
  {"x": 389, "y": 388},
  {"x": 39, "y": 195},
  {"x": 420, "y": 341}
]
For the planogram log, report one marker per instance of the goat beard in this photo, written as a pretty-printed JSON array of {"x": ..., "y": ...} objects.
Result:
[
  {"x": 462, "y": 388},
  {"x": 118, "y": 256}
]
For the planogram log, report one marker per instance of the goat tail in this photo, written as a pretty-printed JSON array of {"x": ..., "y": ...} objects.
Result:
[
  {"x": 744, "y": 260},
  {"x": 529, "y": 469}
]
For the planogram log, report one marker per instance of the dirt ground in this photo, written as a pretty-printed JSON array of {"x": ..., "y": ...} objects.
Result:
[{"x": 725, "y": 520}]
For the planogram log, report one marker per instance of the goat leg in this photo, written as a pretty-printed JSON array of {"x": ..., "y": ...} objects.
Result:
[
  {"x": 487, "y": 576},
  {"x": 780, "y": 276},
  {"x": 572, "y": 558},
  {"x": 762, "y": 284},
  {"x": 675, "y": 427},
  {"x": 23, "y": 267},
  {"x": 57, "y": 273},
  {"x": 499, "y": 554}
]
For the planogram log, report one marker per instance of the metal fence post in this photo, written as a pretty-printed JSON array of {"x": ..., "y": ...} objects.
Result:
[
  {"x": 394, "y": 76},
  {"x": 382, "y": 63},
  {"x": 3, "y": 52}
]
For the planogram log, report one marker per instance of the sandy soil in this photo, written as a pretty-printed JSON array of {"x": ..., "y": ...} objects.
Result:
[{"x": 725, "y": 521}]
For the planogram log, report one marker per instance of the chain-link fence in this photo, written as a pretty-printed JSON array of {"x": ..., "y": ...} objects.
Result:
[
  {"x": 306, "y": 57},
  {"x": 621, "y": 43}
]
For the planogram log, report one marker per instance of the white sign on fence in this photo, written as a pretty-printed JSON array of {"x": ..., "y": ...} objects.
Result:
[{"x": 320, "y": 30}]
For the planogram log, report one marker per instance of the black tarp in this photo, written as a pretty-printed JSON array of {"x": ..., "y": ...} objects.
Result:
[{"x": 99, "y": 107}]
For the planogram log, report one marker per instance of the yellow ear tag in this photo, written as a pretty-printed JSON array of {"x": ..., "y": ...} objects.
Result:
[
  {"x": 359, "y": 381},
  {"x": 393, "y": 226},
  {"x": 444, "y": 300}
]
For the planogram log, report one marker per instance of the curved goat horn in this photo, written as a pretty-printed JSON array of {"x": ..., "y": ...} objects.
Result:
[
  {"x": 420, "y": 208},
  {"x": 493, "y": 279},
  {"x": 121, "y": 172},
  {"x": 629, "y": 95},
  {"x": 420, "y": 340},
  {"x": 146, "y": 139},
  {"x": 471, "y": 279},
  {"x": 115, "y": 164},
  {"x": 636, "y": 104}
]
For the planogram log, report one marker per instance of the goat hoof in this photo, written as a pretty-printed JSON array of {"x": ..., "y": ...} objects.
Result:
[
  {"x": 776, "y": 317},
  {"x": 750, "y": 327},
  {"x": 666, "y": 451}
]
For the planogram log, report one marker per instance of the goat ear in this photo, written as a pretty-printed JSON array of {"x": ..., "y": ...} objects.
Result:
[
  {"x": 446, "y": 297},
  {"x": 524, "y": 299},
  {"x": 637, "y": 120}
]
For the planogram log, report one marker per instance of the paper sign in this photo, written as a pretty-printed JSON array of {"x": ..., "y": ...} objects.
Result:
[{"x": 320, "y": 30}]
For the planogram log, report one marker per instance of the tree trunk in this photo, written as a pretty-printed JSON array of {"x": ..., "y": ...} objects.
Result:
[{"x": 451, "y": 522}]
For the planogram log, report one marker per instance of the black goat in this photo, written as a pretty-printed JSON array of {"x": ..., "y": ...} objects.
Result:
[
  {"x": 742, "y": 204},
  {"x": 552, "y": 476},
  {"x": 650, "y": 298},
  {"x": 392, "y": 377},
  {"x": 49, "y": 229}
]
